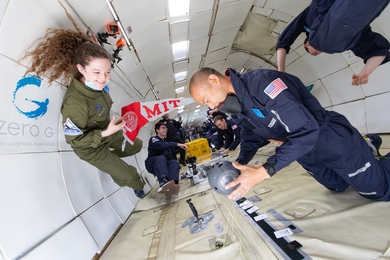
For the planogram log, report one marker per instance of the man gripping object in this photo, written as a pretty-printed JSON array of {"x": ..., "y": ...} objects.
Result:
[{"x": 277, "y": 106}]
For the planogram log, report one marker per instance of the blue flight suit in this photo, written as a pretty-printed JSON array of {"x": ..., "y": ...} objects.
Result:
[
  {"x": 160, "y": 161},
  {"x": 172, "y": 126},
  {"x": 220, "y": 132},
  {"x": 336, "y": 26},
  {"x": 231, "y": 135},
  {"x": 276, "y": 105},
  {"x": 250, "y": 144}
]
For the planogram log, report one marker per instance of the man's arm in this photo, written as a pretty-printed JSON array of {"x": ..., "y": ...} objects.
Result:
[
  {"x": 288, "y": 37},
  {"x": 160, "y": 145},
  {"x": 281, "y": 55},
  {"x": 250, "y": 143},
  {"x": 373, "y": 48},
  {"x": 371, "y": 65},
  {"x": 237, "y": 137}
]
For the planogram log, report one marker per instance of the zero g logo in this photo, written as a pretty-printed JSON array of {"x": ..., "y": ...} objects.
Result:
[{"x": 29, "y": 107}]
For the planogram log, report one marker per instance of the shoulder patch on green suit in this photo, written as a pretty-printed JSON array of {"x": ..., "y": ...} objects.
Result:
[{"x": 71, "y": 129}]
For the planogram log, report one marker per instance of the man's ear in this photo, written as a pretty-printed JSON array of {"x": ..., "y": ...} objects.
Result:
[
  {"x": 80, "y": 68},
  {"x": 213, "y": 79}
]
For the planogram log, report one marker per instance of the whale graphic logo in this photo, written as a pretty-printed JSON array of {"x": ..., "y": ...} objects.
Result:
[{"x": 41, "y": 106}]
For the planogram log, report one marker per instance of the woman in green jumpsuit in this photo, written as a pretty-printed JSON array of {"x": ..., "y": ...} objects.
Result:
[{"x": 84, "y": 66}]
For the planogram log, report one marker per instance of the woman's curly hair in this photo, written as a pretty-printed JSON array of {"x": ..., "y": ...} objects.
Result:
[{"x": 60, "y": 50}]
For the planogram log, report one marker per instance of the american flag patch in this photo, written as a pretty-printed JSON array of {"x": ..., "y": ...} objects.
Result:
[
  {"x": 273, "y": 89},
  {"x": 234, "y": 127}
]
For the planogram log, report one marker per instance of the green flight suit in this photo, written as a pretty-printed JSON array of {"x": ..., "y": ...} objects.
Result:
[{"x": 86, "y": 112}]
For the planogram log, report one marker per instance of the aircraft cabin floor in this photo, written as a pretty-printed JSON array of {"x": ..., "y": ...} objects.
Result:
[{"x": 328, "y": 225}]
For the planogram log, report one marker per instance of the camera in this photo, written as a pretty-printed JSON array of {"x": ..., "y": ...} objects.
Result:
[
  {"x": 113, "y": 28},
  {"x": 191, "y": 160}
]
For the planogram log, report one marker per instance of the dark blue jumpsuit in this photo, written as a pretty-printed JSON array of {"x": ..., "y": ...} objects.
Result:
[
  {"x": 276, "y": 105},
  {"x": 172, "y": 126},
  {"x": 231, "y": 135},
  {"x": 335, "y": 26},
  {"x": 160, "y": 161},
  {"x": 220, "y": 132}
]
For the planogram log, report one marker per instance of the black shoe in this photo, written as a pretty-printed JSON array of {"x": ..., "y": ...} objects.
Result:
[
  {"x": 182, "y": 162},
  {"x": 374, "y": 142},
  {"x": 139, "y": 193},
  {"x": 164, "y": 180}
]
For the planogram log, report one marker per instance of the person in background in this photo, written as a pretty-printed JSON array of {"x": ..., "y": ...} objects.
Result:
[
  {"x": 84, "y": 67},
  {"x": 213, "y": 113},
  {"x": 160, "y": 161},
  {"x": 274, "y": 105},
  {"x": 231, "y": 133},
  {"x": 334, "y": 26},
  {"x": 179, "y": 128},
  {"x": 172, "y": 126}
]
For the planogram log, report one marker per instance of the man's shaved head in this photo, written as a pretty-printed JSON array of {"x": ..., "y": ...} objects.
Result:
[
  {"x": 209, "y": 88},
  {"x": 200, "y": 78}
]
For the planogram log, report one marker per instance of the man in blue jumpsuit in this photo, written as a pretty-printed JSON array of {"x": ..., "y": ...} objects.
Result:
[
  {"x": 334, "y": 26},
  {"x": 231, "y": 133},
  {"x": 173, "y": 126},
  {"x": 232, "y": 129},
  {"x": 160, "y": 161},
  {"x": 276, "y": 105}
]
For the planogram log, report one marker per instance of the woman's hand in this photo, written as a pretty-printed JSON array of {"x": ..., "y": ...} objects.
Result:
[{"x": 113, "y": 128}]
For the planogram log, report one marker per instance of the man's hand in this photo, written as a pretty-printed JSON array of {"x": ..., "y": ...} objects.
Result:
[
  {"x": 358, "y": 80},
  {"x": 371, "y": 64},
  {"x": 225, "y": 151},
  {"x": 250, "y": 177},
  {"x": 182, "y": 146},
  {"x": 275, "y": 141},
  {"x": 112, "y": 127},
  {"x": 221, "y": 150}
]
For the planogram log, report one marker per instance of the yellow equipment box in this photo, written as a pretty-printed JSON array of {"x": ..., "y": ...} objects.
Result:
[{"x": 200, "y": 149}]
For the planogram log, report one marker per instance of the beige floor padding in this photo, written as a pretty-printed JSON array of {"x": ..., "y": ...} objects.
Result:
[{"x": 335, "y": 225}]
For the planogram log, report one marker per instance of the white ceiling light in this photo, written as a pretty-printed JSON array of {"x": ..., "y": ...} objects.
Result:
[
  {"x": 179, "y": 50},
  {"x": 116, "y": 19},
  {"x": 198, "y": 106},
  {"x": 124, "y": 33},
  {"x": 196, "y": 110},
  {"x": 180, "y": 110},
  {"x": 180, "y": 76},
  {"x": 179, "y": 7},
  {"x": 179, "y": 90},
  {"x": 112, "y": 10}
]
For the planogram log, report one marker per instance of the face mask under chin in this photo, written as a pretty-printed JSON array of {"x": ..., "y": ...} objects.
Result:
[
  {"x": 91, "y": 85},
  {"x": 231, "y": 105}
]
